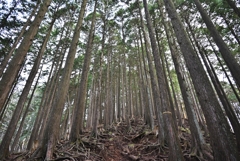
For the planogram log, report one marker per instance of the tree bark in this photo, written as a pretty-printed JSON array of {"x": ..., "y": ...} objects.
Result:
[
  {"x": 224, "y": 70},
  {"x": 144, "y": 83},
  {"x": 51, "y": 132},
  {"x": 234, "y": 7},
  {"x": 15, "y": 64},
  {"x": 6, "y": 59},
  {"x": 4, "y": 150},
  {"x": 227, "y": 55},
  {"x": 77, "y": 125},
  {"x": 16, "y": 139},
  {"x": 171, "y": 133},
  {"x": 157, "y": 101},
  {"x": 221, "y": 140},
  {"x": 197, "y": 137}
]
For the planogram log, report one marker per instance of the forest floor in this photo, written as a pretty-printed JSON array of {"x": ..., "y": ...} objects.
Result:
[{"x": 119, "y": 143}]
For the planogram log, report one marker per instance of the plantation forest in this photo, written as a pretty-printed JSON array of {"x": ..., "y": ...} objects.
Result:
[{"x": 120, "y": 80}]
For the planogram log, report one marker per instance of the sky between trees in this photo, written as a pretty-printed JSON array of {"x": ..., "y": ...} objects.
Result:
[{"x": 67, "y": 66}]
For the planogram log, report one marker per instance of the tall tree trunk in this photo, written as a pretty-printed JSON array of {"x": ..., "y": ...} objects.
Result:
[
  {"x": 91, "y": 103},
  {"x": 115, "y": 91},
  {"x": 4, "y": 150},
  {"x": 221, "y": 139},
  {"x": 24, "y": 115},
  {"x": 173, "y": 93},
  {"x": 111, "y": 97},
  {"x": 49, "y": 99},
  {"x": 48, "y": 93},
  {"x": 119, "y": 90},
  {"x": 232, "y": 4},
  {"x": 231, "y": 29},
  {"x": 95, "y": 110},
  {"x": 51, "y": 132},
  {"x": 224, "y": 100},
  {"x": 77, "y": 125},
  {"x": 15, "y": 64},
  {"x": 97, "y": 106},
  {"x": 6, "y": 59},
  {"x": 166, "y": 69},
  {"x": 227, "y": 55},
  {"x": 109, "y": 107},
  {"x": 197, "y": 137},
  {"x": 155, "y": 91},
  {"x": 226, "y": 104},
  {"x": 144, "y": 81},
  {"x": 37, "y": 122},
  {"x": 224, "y": 70},
  {"x": 11, "y": 91},
  {"x": 174, "y": 145}
]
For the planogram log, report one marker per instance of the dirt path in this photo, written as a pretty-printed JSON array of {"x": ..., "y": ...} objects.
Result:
[
  {"x": 119, "y": 143},
  {"x": 136, "y": 143}
]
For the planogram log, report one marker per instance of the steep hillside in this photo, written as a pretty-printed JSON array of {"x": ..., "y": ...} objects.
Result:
[{"x": 119, "y": 143}]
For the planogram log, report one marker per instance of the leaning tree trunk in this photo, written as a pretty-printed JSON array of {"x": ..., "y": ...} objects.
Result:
[
  {"x": 20, "y": 105},
  {"x": 227, "y": 55},
  {"x": 6, "y": 59},
  {"x": 225, "y": 72},
  {"x": 77, "y": 125},
  {"x": 11, "y": 92},
  {"x": 51, "y": 132},
  {"x": 221, "y": 139},
  {"x": 233, "y": 32},
  {"x": 221, "y": 94},
  {"x": 16, "y": 139},
  {"x": 234, "y": 7},
  {"x": 197, "y": 137},
  {"x": 157, "y": 101},
  {"x": 15, "y": 64},
  {"x": 171, "y": 133}
]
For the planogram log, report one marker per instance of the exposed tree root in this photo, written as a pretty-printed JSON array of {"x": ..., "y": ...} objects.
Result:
[{"x": 118, "y": 143}]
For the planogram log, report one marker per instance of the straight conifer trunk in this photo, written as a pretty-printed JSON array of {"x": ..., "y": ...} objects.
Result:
[
  {"x": 198, "y": 140},
  {"x": 17, "y": 137},
  {"x": 77, "y": 125},
  {"x": 227, "y": 55},
  {"x": 6, "y": 59},
  {"x": 155, "y": 90},
  {"x": 221, "y": 139},
  {"x": 50, "y": 134},
  {"x": 171, "y": 133},
  {"x": 18, "y": 59},
  {"x": 232, "y": 4},
  {"x": 4, "y": 150}
]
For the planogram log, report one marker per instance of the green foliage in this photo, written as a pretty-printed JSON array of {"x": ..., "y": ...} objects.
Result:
[
  {"x": 176, "y": 86},
  {"x": 90, "y": 15},
  {"x": 229, "y": 92},
  {"x": 12, "y": 17},
  {"x": 55, "y": 32},
  {"x": 78, "y": 62},
  {"x": 121, "y": 36},
  {"x": 120, "y": 12}
]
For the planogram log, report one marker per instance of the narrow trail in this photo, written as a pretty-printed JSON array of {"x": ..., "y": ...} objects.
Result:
[
  {"x": 136, "y": 143},
  {"x": 118, "y": 143}
]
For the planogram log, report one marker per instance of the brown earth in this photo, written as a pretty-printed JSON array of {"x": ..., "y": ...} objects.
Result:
[{"x": 118, "y": 143}]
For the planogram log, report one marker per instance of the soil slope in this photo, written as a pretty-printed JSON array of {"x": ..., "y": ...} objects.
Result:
[{"x": 119, "y": 143}]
